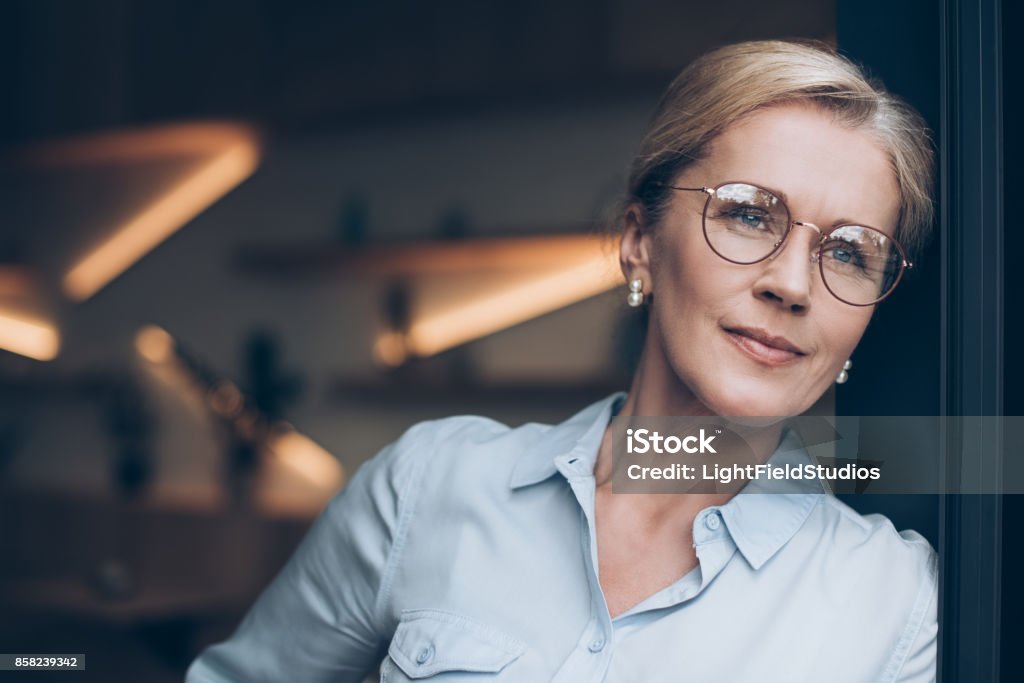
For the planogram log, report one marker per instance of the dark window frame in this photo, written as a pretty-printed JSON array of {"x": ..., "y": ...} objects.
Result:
[{"x": 973, "y": 237}]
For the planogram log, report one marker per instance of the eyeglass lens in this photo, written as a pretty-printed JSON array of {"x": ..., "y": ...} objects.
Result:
[{"x": 744, "y": 224}]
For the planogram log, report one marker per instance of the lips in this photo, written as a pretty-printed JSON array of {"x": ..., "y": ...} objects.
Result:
[{"x": 764, "y": 347}]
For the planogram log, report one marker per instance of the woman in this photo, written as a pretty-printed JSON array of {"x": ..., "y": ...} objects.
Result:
[{"x": 471, "y": 551}]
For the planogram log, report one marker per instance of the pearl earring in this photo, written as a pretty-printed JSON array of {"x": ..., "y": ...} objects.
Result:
[
  {"x": 844, "y": 374},
  {"x": 636, "y": 292}
]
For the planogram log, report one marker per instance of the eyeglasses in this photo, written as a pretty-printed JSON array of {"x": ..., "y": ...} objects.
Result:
[{"x": 745, "y": 224}]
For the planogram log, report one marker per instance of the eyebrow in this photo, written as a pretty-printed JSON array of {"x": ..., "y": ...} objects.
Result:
[
  {"x": 785, "y": 200},
  {"x": 781, "y": 194},
  {"x": 777, "y": 192}
]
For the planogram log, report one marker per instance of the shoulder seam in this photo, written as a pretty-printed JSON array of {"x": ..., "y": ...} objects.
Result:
[
  {"x": 925, "y": 595},
  {"x": 865, "y": 524},
  {"x": 409, "y": 473},
  {"x": 407, "y": 498},
  {"x": 849, "y": 513}
]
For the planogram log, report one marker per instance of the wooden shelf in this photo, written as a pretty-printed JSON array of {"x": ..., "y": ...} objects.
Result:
[{"x": 475, "y": 255}]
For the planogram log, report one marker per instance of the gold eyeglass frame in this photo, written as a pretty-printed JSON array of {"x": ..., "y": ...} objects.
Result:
[{"x": 905, "y": 264}]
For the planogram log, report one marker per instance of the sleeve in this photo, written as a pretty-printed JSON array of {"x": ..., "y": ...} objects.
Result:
[
  {"x": 919, "y": 651},
  {"x": 319, "y": 619}
]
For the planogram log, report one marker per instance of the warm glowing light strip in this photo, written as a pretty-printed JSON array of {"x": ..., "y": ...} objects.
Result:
[
  {"x": 27, "y": 337},
  {"x": 139, "y": 144},
  {"x": 308, "y": 460},
  {"x": 155, "y": 344},
  {"x": 291, "y": 449},
  {"x": 160, "y": 219},
  {"x": 534, "y": 296}
]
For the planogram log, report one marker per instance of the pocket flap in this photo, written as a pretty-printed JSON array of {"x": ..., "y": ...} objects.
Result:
[{"x": 428, "y": 642}]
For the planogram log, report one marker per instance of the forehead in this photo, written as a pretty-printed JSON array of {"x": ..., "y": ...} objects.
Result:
[{"x": 826, "y": 172}]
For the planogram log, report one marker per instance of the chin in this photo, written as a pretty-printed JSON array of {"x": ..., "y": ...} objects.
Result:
[{"x": 747, "y": 399}]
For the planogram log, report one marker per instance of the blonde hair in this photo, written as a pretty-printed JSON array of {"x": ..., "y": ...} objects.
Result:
[{"x": 731, "y": 82}]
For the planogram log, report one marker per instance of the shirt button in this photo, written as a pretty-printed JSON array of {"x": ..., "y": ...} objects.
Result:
[
  {"x": 597, "y": 645},
  {"x": 425, "y": 655},
  {"x": 712, "y": 521}
]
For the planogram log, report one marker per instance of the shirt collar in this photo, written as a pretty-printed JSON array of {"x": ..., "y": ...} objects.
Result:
[
  {"x": 766, "y": 514},
  {"x": 761, "y": 518},
  {"x": 580, "y": 435}
]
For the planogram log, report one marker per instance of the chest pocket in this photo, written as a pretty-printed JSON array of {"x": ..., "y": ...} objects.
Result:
[{"x": 431, "y": 643}]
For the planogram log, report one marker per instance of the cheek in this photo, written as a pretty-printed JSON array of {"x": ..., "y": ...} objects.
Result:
[
  {"x": 680, "y": 267},
  {"x": 840, "y": 331},
  {"x": 691, "y": 283},
  {"x": 692, "y": 297}
]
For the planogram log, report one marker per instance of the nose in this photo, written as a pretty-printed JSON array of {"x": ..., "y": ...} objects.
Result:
[{"x": 785, "y": 279}]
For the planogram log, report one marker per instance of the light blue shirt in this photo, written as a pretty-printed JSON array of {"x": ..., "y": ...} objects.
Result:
[{"x": 469, "y": 546}]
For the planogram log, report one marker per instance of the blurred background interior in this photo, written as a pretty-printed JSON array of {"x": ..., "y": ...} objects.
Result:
[{"x": 247, "y": 243}]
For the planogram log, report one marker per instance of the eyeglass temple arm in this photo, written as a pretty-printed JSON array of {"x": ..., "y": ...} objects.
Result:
[{"x": 708, "y": 190}]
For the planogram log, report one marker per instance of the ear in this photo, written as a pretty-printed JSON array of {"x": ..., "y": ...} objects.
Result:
[{"x": 636, "y": 247}]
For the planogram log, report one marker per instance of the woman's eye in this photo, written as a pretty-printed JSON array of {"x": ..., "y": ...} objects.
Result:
[
  {"x": 845, "y": 255},
  {"x": 842, "y": 255},
  {"x": 749, "y": 217}
]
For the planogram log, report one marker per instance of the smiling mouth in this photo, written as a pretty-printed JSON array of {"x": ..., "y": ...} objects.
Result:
[{"x": 764, "y": 348}]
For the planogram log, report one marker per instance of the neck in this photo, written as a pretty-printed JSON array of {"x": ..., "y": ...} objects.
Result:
[{"x": 656, "y": 390}]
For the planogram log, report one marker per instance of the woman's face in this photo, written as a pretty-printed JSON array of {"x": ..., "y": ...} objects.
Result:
[{"x": 706, "y": 310}]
